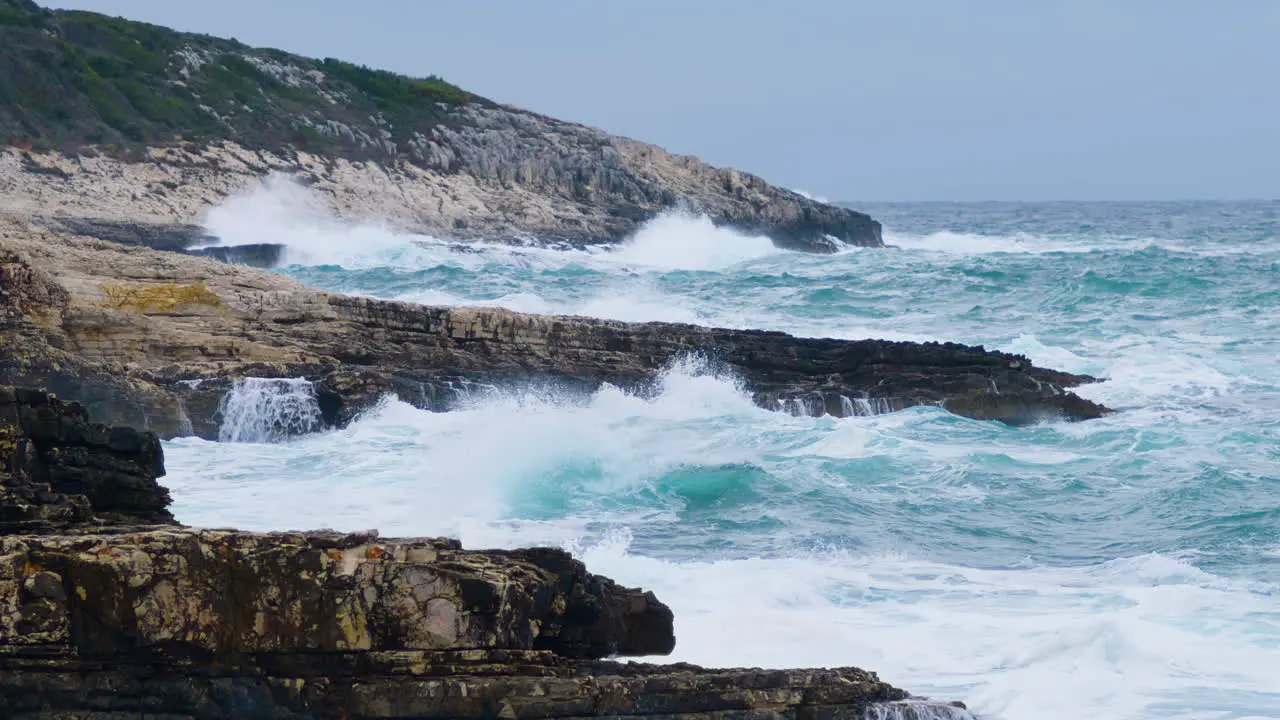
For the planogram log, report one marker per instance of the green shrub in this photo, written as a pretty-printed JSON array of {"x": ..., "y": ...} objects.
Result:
[
  {"x": 20, "y": 14},
  {"x": 395, "y": 93},
  {"x": 89, "y": 79}
]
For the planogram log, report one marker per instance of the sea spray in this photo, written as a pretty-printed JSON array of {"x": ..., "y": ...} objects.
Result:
[
  {"x": 799, "y": 407},
  {"x": 916, "y": 710},
  {"x": 864, "y": 407},
  {"x": 185, "y": 427},
  {"x": 281, "y": 211},
  {"x": 264, "y": 410},
  {"x": 686, "y": 241}
]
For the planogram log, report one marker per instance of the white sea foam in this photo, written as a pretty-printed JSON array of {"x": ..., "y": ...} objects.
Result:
[
  {"x": 1147, "y": 371},
  {"x": 963, "y": 243},
  {"x": 916, "y": 710},
  {"x": 371, "y": 472},
  {"x": 1124, "y": 639},
  {"x": 974, "y": 244},
  {"x": 1155, "y": 372},
  {"x": 679, "y": 241},
  {"x": 1049, "y": 356},
  {"x": 260, "y": 410},
  {"x": 279, "y": 210}
]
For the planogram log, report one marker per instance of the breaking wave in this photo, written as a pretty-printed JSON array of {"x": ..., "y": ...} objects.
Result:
[
  {"x": 794, "y": 541},
  {"x": 281, "y": 211}
]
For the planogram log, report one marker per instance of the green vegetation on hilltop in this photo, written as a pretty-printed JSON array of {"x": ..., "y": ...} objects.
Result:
[
  {"x": 71, "y": 79},
  {"x": 395, "y": 93}
]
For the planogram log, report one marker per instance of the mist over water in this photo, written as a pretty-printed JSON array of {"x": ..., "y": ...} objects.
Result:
[{"x": 1127, "y": 567}]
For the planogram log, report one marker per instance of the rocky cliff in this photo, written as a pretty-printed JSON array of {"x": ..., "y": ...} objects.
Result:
[
  {"x": 156, "y": 340},
  {"x": 123, "y": 121},
  {"x": 109, "y": 610}
]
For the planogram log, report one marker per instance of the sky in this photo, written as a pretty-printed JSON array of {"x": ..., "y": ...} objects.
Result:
[{"x": 849, "y": 100}]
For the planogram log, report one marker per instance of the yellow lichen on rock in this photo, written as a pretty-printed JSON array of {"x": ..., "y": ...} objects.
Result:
[{"x": 158, "y": 298}]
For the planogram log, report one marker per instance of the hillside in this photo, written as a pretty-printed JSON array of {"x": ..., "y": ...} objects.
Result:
[
  {"x": 71, "y": 79},
  {"x": 77, "y": 85}
]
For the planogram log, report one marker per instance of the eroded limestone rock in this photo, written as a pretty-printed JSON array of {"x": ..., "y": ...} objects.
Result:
[
  {"x": 127, "y": 330},
  {"x": 441, "y": 685},
  {"x": 223, "y": 593},
  {"x": 495, "y": 174}
]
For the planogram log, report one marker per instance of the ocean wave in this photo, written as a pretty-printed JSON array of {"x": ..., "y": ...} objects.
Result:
[
  {"x": 977, "y": 244},
  {"x": 281, "y": 211},
  {"x": 1115, "y": 639},
  {"x": 599, "y": 452},
  {"x": 1007, "y": 567},
  {"x": 1123, "y": 567},
  {"x": 634, "y": 305},
  {"x": 681, "y": 241},
  {"x": 1050, "y": 356},
  {"x": 964, "y": 243}
]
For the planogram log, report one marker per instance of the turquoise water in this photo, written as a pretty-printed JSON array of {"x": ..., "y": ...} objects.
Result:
[{"x": 1121, "y": 568}]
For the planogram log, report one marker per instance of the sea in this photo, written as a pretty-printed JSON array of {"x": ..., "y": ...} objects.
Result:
[{"x": 1125, "y": 568}]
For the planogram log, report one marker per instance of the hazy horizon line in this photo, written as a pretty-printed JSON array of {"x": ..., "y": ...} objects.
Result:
[{"x": 1121, "y": 201}]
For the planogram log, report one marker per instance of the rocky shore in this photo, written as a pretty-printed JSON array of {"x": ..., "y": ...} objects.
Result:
[
  {"x": 156, "y": 340},
  {"x": 562, "y": 194},
  {"x": 116, "y": 298},
  {"x": 110, "y": 610},
  {"x": 107, "y": 181}
]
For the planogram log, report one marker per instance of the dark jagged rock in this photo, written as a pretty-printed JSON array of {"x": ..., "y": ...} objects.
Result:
[
  {"x": 440, "y": 685},
  {"x": 343, "y": 394},
  {"x": 174, "y": 237},
  {"x": 57, "y": 469},
  {"x": 259, "y": 255},
  {"x": 171, "y": 237},
  {"x": 105, "y": 614}
]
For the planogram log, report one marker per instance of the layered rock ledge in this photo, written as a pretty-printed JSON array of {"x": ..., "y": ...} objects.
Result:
[
  {"x": 155, "y": 340},
  {"x": 110, "y": 610}
]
